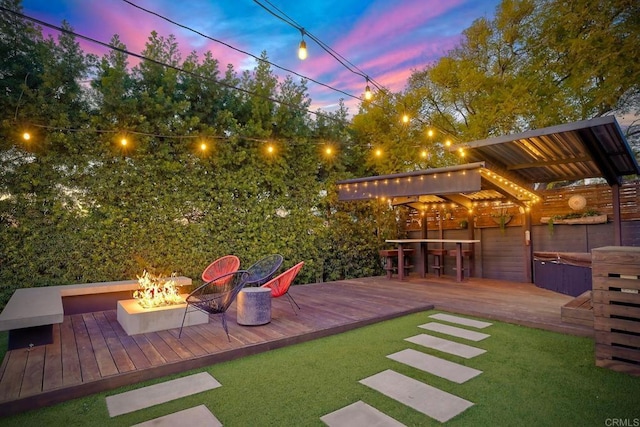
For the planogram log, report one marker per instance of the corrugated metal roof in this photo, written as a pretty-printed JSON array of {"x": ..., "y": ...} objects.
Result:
[
  {"x": 586, "y": 149},
  {"x": 463, "y": 184},
  {"x": 509, "y": 166}
]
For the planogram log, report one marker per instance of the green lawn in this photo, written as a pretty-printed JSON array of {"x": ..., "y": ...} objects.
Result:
[{"x": 531, "y": 377}]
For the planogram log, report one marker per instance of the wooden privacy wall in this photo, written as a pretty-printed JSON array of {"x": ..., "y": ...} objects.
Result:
[
  {"x": 555, "y": 203},
  {"x": 616, "y": 308}
]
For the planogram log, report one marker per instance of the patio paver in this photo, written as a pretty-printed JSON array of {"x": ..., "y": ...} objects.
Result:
[
  {"x": 431, "y": 401},
  {"x": 156, "y": 394},
  {"x": 359, "y": 414},
  {"x": 434, "y": 365},
  {"x": 454, "y": 331},
  {"x": 198, "y": 416},
  {"x": 461, "y": 320},
  {"x": 446, "y": 346}
]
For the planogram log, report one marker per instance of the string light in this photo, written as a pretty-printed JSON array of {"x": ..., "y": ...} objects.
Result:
[
  {"x": 124, "y": 142},
  {"x": 405, "y": 118},
  {"x": 302, "y": 49},
  {"x": 367, "y": 91},
  {"x": 26, "y": 136}
]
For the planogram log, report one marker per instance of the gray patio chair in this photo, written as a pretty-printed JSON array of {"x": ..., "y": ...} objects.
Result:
[
  {"x": 216, "y": 296},
  {"x": 262, "y": 271}
]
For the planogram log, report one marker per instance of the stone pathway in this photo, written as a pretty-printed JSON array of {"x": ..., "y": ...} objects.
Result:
[
  {"x": 422, "y": 397},
  {"x": 460, "y": 320},
  {"x": 359, "y": 414},
  {"x": 156, "y": 394},
  {"x": 199, "y": 416},
  {"x": 454, "y": 331},
  {"x": 431, "y": 401},
  {"x": 446, "y": 346},
  {"x": 434, "y": 365}
]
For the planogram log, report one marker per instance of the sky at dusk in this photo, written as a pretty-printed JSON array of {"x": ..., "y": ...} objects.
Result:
[{"x": 385, "y": 39}]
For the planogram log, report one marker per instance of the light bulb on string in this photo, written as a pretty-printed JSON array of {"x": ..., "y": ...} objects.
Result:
[
  {"x": 367, "y": 91},
  {"x": 302, "y": 49},
  {"x": 328, "y": 151},
  {"x": 405, "y": 118}
]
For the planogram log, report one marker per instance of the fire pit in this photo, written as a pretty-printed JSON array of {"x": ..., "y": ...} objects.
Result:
[{"x": 157, "y": 306}]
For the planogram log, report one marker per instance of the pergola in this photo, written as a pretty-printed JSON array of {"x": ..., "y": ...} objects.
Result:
[{"x": 510, "y": 167}]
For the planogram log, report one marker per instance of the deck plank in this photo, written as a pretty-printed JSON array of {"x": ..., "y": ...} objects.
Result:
[
  {"x": 88, "y": 363},
  {"x": 88, "y": 349},
  {"x": 71, "y": 374},
  {"x": 121, "y": 359},
  {"x": 34, "y": 371},
  {"x": 134, "y": 353},
  {"x": 104, "y": 358},
  {"x": 53, "y": 362}
]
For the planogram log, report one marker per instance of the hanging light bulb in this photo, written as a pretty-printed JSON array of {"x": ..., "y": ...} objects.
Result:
[
  {"x": 367, "y": 91},
  {"x": 405, "y": 118},
  {"x": 302, "y": 50},
  {"x": 26, "y": 136}
]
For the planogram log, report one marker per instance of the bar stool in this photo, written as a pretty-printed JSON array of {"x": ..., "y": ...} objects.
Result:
[
  {"x": 392, "y": 254},
  {"x": 438, "y": 263},
  {"x": 465, "y": 253}
]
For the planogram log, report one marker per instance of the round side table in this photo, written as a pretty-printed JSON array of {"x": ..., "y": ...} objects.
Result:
[{"x": 254, "y": 306}]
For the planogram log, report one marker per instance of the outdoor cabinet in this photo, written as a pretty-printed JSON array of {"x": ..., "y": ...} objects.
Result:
[{"x": 568, "y": 274}]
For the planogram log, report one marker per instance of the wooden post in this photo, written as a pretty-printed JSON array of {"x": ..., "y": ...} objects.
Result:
[
  {"x": 528, "y": 247},
  {"x": 617, "y": 221}
]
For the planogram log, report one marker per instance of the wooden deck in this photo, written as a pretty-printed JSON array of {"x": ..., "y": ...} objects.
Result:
[
  {"x": 92, "y": 353},
  {"x": 579, "y": 310}
]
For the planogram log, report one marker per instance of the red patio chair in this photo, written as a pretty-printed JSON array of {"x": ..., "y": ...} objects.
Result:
[
  {"x": 220, "y": 267},
  {"x": 280, "y": 285}
]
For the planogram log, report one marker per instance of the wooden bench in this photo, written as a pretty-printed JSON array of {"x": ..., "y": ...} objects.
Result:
[
  {"x": 390, "y": 255},
  {"x": 30, "y": 314}
]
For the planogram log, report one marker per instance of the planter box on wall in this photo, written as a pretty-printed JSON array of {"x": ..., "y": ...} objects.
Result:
[{"x": 596, "y": 219}]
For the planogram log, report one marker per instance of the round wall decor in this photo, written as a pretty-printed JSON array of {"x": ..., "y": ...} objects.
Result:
[{"x": 577, "y": 202}]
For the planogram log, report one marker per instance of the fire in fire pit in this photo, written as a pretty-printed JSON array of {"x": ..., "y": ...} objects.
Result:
[{"x": 155, "y": 291}]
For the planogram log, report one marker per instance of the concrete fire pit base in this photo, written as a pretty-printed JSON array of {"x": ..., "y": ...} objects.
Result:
[{"x": 135, "y": 319}]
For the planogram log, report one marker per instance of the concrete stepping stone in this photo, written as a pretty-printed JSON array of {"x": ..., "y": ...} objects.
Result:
[
  {"x": 436, "y": 366},
  {"x": 446, "y": 346},
  {"x": 431, "y": 401},
  {"x": 359, "y": 414},
  {"x": 454, "y": 331},
  {"x": 200, "y": 416},
  {"x": 461, "y": 320},
  {"x": 156, "y": 394}
]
